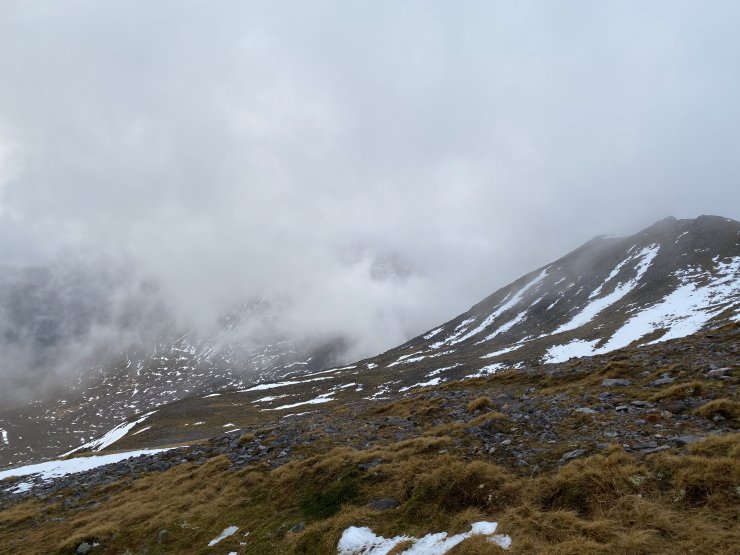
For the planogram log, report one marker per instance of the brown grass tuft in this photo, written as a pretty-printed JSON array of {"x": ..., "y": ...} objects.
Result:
[
  {"x": 681, "y": 391},
  {"x": 726, "y": 408},
  {"x": 478, "y": 404}
]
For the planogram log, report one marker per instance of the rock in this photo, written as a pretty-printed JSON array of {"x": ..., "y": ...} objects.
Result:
[
  {"x": 161, "y": 536},
  {"x": 83, "y": 548},
  {"x": 685, "y": 440},
  {"x": 586, "y": 410},
  {"x": 570, "y": 455},
  {"x": 664, "y": 379},
  {"x": 613, "y": 382},
  {"x": 367, "y": 466},
  {"x": 298, "y": 527},
  {"x": 655, "y": 449},
  {"x": 644, "y": 374},
  {"x": 642, "y": 404},
  {"x": 383, "y": 504},
  {"x": 718, "y": 372},
  {"x": 622, "y": 408},
  {"x": 398, "y": 421}
]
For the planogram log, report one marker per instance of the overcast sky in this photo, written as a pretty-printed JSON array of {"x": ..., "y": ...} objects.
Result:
[{"x": 235, "y": 149}]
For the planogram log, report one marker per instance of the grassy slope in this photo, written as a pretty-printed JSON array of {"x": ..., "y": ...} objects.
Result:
[{"x": 676, "y": 501}]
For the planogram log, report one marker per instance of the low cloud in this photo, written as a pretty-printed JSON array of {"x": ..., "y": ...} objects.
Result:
[{"x": 230, "y": 152}]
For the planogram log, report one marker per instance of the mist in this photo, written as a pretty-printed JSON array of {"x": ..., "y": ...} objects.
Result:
[{"x": 374, "y": 167}]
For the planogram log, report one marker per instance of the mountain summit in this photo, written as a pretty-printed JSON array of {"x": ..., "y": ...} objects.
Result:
[{"x": 667, "y": 281}]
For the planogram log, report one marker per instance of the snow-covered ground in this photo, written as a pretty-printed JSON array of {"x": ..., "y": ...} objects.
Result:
[
  {"x": 490, "y": 369},
  {"x": 110, "y": 437},
  {"x": 433, "y": 381},
  {"x": 362, "y": 541},
  {"x": 643, "y": 258},
  {"x": 508, "y": 303},
  {"x": 54, "y": 469},
  {"x": 265, "y": 386},
  {"x": 229, "y": 531},
  {"x": 324, "y": 398},
  {"x": 680, "y": 313}
]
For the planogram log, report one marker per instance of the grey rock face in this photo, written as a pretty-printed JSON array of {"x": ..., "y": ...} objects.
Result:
[
  {"x": 665, "y": 379},
  {"x": 570, "y": 455},
  {"x": 613, "y": 382},
  {"x": 383, "y": 504}
]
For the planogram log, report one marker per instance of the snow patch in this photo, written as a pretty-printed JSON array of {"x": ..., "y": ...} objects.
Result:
[
  {"x": 269, "y": 398},
  {"x": 264, "y": 386},
  {"x": 682, "y": 312},
  {"x": 434, "y": 381},
  {"x": 49, "y": 470},
  {"x": 406, "y": 360},
  {"x": 503, "y": 351},
  {"x": 687, "y": 309},
  {"x": 439, "y": 370},
  {"x": 433, "y": 332},
  {"x": 362, "y": 541},
  {"x": 324, "y": 398},
  {"x": 229, "y": 531},
  {"x": 510, "y": 303},
  {"x": 110, "y": 437},
  {"x": 506, "y": 327},
  {"x": 645, "y": 257},
  {"x": 459, "y": 330},
  {"x": 576, "y": 348},
  {"x": 488, "y": 370}
]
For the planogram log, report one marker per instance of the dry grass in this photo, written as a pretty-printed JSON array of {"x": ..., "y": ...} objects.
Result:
[
  {"x": 247, "y": 438},
  {"x": 726, "y": 408},
  {"x": 488, "y": 418},
  {"x": 682, "y": 391},
  {"x": 478, "y": 404},
  {"x": 608, "y": 503}
]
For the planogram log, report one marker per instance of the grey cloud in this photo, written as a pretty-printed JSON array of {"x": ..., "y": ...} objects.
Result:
[{"x": 238, "y": 149}]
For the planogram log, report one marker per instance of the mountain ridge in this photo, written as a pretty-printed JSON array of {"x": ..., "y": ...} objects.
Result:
[
  {"x": 587, "y": 302},
  {"x": 512, "y": 328}
]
